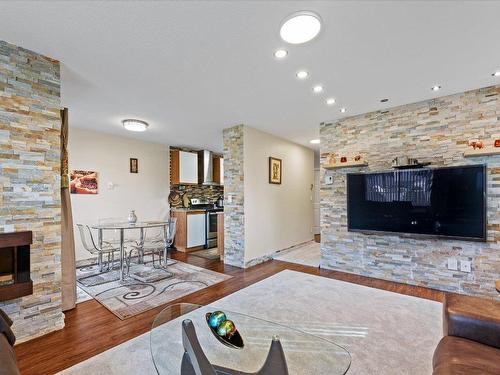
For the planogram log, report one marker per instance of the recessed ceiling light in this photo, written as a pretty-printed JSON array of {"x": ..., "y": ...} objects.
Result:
[
  {"x": 496, "y": 74},
  {"x": 300, "y": 27},
  {"x": 280, "y": 53},
  {"x": 385, "y": 100},
  {"x": 330, "y": 101},
  {"x": 317, "y": 89},
  {"x": 135, "y": 125},
  {"x": 436, "y": 88},
  {"x": 314, "y": 141},
  {"x": 302, "y": 74},
  {"x": 343, "y": 110}
]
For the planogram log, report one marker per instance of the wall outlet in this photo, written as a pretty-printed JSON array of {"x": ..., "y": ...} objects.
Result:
[
  {"x": 453, "y": 264},
  {"x": 465, "y": 266}
]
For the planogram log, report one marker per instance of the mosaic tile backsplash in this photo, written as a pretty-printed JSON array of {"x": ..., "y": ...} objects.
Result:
[
  {"x": 30, "y": 181},
  {"x": 435, "y": 131}
]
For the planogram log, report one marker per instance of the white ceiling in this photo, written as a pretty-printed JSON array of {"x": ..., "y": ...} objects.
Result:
[{"x": 193, "y": 68}]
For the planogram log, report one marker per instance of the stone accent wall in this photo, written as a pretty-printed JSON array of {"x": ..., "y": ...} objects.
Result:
[
  {"x": 435, "y": 131},
  {"x": 234, "y": 215},
  {"x": 30, "y": 181}
]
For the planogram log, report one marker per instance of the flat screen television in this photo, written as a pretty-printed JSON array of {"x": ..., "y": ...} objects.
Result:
[{"x": 446, "y": 202}]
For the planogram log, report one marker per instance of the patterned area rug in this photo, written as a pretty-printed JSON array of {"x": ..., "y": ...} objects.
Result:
[{"x": 147, "y": 288}]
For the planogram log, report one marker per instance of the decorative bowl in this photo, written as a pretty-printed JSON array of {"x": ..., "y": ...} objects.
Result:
[{"x": 234, "y": 340}]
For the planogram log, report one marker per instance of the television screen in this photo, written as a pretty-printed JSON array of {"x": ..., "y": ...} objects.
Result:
[{"x": 449, "y": 202}]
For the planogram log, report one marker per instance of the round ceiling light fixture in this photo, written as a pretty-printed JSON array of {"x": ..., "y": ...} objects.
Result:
[
  {"x": 343, "y": 110},
  {"x": 330, "y": 101},
  {"x": 302, "y": 74},
  {"x": 315, "y": 141},
  {"x": 317, "y": 89},
  {"x": 280, "y": 53},
  {"x": 300, "y": 27},
  {"x": 436, "y": 88},
  {"x": 134, "y": 125},
  {"x": 496, "y": 74}
]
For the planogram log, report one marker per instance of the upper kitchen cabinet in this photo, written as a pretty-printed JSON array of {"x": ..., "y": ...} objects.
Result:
[
  {"x": 183, "y": 167},
  {"x": 218, "y": 170}
]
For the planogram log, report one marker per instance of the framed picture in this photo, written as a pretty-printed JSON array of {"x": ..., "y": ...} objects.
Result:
[
  {"x": 274, "y": 170},
  {"x": 83, "y": 182},
  {"x": 134, "y": 165}
]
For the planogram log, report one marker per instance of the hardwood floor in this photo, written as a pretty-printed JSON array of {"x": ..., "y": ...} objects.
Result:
[{"x": 91, "y": 329}]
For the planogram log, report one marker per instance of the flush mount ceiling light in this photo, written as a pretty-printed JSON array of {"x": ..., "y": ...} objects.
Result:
[
  {"x": 436, "y": 88},
  {"x": 314, "y": 141},
  {"x": 300, "y": 27},
  {"x": 302, "y": 74},
  {"x": 343, "y": 110},
  {"x": 135, "y": 125},
  {"x": 280, "y": 53},
  {"x": 496, "y": 74},
  {"x": 330, "y": 101},
  {"x": 317, "y": 89}
]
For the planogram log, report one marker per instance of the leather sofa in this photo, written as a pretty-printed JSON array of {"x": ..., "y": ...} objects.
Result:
[
  {"x": 471, "y": 342},
  {"x": 8, "y": 365}
]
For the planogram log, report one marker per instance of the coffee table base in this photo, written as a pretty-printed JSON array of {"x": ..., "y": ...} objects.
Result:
[{"x": 195, "y": 362}]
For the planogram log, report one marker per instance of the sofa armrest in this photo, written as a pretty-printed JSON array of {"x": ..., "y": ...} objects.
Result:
[
  {"x": 5, "y": 324},
  {"x": 472, "y": 318}
]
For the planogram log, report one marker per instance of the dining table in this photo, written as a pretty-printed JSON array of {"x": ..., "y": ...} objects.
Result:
[{"x": 121, "y": 227}]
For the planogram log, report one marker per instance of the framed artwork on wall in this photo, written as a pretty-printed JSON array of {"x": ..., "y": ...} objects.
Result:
[
  {"x": 83, "y": 182},
  {"x": 134, "y": 165},
  {"x": 275, "y": 166}
]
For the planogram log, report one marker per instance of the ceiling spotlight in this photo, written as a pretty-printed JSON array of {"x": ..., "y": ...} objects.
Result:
[
  {"x": 135, "y": 125},
  {"x": 280, "y": 53},
  {"x": 300, "y": 27},
  {"x": 343, "y": 110},
  {"x": 436, "y": 88},
  {"x": 330, "y": 101},
  {"x": 317, "y": 89},
  {"x": 496, "y": 74},
  {"x": 314, "y": 141},
  {"x": 302, "y": 74}
]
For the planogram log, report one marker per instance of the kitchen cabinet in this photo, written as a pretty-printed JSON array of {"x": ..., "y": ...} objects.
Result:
[
  {"x": 218, "y": 170},
  {"x": 183, "y": 167},
  {"x": 191, "y": 227},
  {"x": 196, "y": 230}
]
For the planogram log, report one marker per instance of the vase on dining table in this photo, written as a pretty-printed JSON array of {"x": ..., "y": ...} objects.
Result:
[{"x": 132, "y": 217}]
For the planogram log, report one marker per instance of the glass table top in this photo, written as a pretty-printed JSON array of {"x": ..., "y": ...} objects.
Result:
[{"x": 305, "y": 353}]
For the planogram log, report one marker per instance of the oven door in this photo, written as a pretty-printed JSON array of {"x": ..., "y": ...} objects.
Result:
[{"x": 211, "y": 229}]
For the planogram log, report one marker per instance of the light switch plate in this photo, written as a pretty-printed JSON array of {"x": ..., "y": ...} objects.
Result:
[
  {"x": 452, "y": 264},
  {"x": 328, "y": 180}
]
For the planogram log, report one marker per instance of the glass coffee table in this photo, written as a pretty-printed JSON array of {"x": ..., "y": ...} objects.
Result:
[{"x": 304, "y": 353}]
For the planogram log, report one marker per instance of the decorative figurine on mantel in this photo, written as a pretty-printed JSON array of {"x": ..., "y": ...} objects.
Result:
[{"x": 476, "y": 144}]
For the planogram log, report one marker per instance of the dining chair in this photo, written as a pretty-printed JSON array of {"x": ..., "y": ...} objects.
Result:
[
  {"x": 156, "y": 242},
  {"x": 92, "y": 247}
]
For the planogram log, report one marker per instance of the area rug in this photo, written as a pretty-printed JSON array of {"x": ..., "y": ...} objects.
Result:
[
  {"x": 148, "y": 289},
  {"x": 386, "y": 333},
  {"x": 210, "y": 254}
]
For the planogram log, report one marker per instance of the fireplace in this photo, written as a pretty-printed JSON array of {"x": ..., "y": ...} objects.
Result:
[{"x": 15, "y": 278}]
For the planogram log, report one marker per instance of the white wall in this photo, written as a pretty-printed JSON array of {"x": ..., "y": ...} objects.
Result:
[
  {"x": 146, "y": 192},
  {"x": 276, "y": 216}
]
